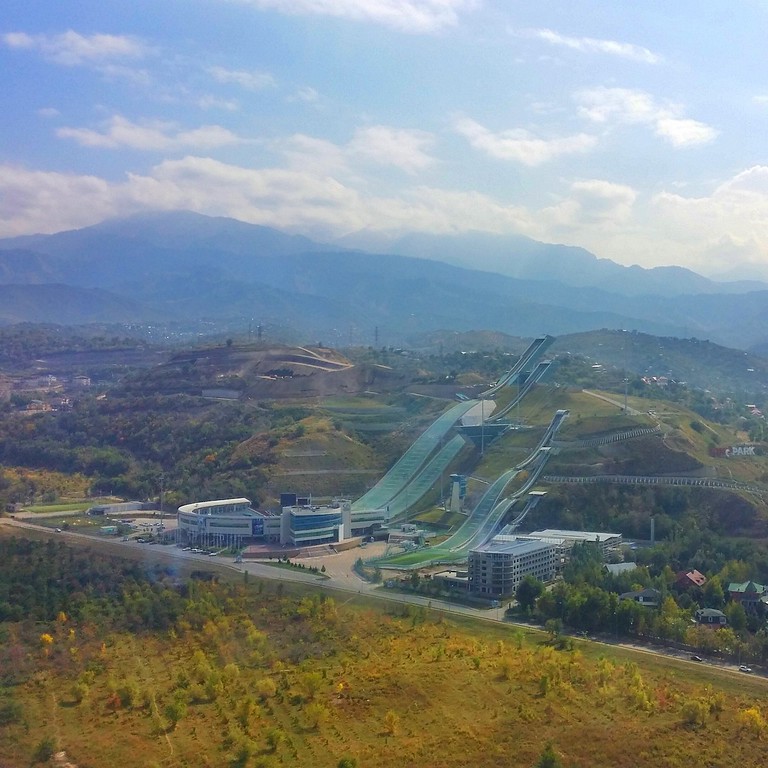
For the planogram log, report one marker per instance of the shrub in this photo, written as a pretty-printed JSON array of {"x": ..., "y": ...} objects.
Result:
[
  {"x": 694, "y": 713},
  {"x": 175, "y": 711},
  {"x": 752, "y": 720},
  {"x": 266, "y": 688},
  {"x": 316, "y": 715},
  {"x": 10, "y": 711},
  {"x": 548, "y": 758},
  {"x": 275, "y": 737},
  {"x": 44, "y": 750},
  {"x": 391, "y": 722},
  {"x": 79, "y": 692}
]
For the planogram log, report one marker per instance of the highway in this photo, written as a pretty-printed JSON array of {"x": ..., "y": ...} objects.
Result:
[{"x": 352, "y": 586}]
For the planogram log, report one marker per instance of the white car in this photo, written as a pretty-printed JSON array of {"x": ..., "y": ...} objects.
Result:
[{"x": 745, "y": 668}]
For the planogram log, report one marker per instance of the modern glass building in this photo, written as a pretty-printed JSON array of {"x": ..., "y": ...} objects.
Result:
[
  {"x": 225, "y": 522},
  {"x": 304, "y": 526}
]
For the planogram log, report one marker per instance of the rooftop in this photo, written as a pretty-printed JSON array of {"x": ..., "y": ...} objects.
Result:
[
  {"x": 516, "y": 547},
  {"x": 596, "y": 536},
  {"x": 240, "y": 506},
  {"x": 617, "y": 568},
  {"x": 306, "y": 511}
]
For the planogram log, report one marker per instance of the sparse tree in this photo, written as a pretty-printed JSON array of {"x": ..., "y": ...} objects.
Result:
[
  {"x": 316, "y": 715},
  {"x": 548, "y": 758},
  {"x": 391, "y": 722},
  {"x": 275, "y": 737},
  {"x": 310, "y": 684},
  {"x": 175, "y": 711},
  {"x": 44, "y": 750}
]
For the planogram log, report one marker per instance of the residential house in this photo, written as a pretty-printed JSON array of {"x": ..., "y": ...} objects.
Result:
[
  {"x": 710, "y": 617},
  {"x": 751, "y": 595},
  {"x": 615, "y": 569},
  {"x": 648, "y": 597},
  {"x": 690, "y": 579}
]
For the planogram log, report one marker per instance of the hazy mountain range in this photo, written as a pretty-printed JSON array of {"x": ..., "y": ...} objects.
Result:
[{"x": 187, "y": 267}]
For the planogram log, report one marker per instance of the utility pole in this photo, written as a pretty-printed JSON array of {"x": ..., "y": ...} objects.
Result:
[
  {"x": 162, "y": 491},
  {"x": 626, "y": 372},
  {"x": 482, "y": 427}
]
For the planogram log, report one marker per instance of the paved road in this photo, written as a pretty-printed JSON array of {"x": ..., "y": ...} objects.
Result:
[
  {"x": 350, "y": 584},
  {"x": 630, "y": 411}
]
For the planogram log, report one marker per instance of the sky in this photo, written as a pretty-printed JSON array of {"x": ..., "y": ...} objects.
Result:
[{"x": 636, "y": 130}]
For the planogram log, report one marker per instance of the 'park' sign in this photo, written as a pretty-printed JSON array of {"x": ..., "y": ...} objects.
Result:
[{"x": 734, "y": 451}]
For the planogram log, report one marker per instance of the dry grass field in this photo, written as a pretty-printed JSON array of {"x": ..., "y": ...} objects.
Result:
[{"x": 255, "y": 676}]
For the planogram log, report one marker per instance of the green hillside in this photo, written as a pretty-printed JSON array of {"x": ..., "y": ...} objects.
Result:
[{"x": 173, "y": 674}]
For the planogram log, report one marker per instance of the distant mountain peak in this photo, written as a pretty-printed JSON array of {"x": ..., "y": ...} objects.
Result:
[
  {"x": 190, "y": 267},
  {"x": 523, "y": 258}
]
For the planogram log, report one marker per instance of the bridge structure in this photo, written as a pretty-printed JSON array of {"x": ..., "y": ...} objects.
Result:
[
  {"x": 613, "y": 437},
  {"x": 701, "y": 482}
]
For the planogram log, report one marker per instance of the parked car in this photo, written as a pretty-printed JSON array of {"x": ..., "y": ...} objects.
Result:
[
  {"x": 745, "y": 668},
  {"x": 696, "y": 658}
]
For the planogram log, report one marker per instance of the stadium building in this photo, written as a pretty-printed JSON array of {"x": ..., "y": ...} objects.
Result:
[
  {"x": 226, "y": 523},
  {"x": 235, "y": 523}
]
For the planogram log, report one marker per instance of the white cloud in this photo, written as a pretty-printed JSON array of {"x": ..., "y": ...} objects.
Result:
[
  {"x": 214, "y": 102},
  {"x": 709, "y": 232},
  {"x": 520, "y": 145},
  {"x": 404, "y": 149},
  {"x": 48, "y": 112},
  {"x": 414, "y": 16},
  {"x": 313, "y": 155},
  {"x": 594, "y": 45},
  {"x": 731, "y": 220},
  {"x": 591, "y": 203},
  {"x": 378, "y": 144},
  {"x": 627, "y": 106},
  {"x": 155, "y": 136},
  {"x": 684, "y": 133},
  {"x": 73, "y": 49},
  {"x": 251, "y": 81},
  {"x": 286, "y": 198},
  {"x": 624, "y": 105},
  {"x": 40, "y": 201},
  {"x": 306, "y": 94},
  {"x": 132, "y": 75}
]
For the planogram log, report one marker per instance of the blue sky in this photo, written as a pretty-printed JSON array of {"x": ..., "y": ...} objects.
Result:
[{"x": 636, "y": 130}]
